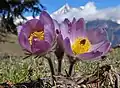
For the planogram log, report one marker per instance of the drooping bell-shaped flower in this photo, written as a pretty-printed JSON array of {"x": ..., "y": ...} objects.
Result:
[
  {"x": 81, "y": 43},
  {"x": 37, "y": 35}
]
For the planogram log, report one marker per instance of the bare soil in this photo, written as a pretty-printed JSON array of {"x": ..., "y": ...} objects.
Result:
[{"x": 9, "y": 45}]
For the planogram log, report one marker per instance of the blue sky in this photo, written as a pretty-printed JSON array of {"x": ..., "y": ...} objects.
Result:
[{"x": 53, "y": 5}]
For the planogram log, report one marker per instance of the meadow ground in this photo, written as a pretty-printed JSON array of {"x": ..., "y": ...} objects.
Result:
[{"x": 15, "y": 69}]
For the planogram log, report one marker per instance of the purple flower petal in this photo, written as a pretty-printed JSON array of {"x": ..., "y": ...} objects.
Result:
[
  {"x": 39, "y": 26},
  {"x": 80, "y": 27},
  {"x": 64, "y": 29},
  {"x": 23, "y": 40},
  {"x": 74, "y": 20},
  {"x": 31, "y": 26},
  {"x": 77, "y": 29},
  {"x": 67, "y": 21},
  {"x": 26, "y": 29},
  {"x": 48, "y": 37},
  {"x": 90, "y": 55},
  {"x": 57, "y": 25},
  {"x": 99, "y": 50},
  {"x": 105, "y": 47},
  {"x": 59, "y": 36},
  {"x": 32, "y": 23},
  {"x": 60, "y": 41},
  {"x": 97, "y": 35},
  {"x": 69, "y": 30},
  {"x": 67, "y": 47},
  {"x": 96, "y": 46},
  {"x": 73, "y": 32},
  {"x": 59, "y": 50},
  {"x": 47, "y": 21},
  {"x": 39, "y": 47}
]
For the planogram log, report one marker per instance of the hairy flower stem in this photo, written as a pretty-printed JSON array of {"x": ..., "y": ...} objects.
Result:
[
  {"x": 59, "y": 66},
  {"x": 51, "y": 68},
  {"x": 71, "y": 67}
]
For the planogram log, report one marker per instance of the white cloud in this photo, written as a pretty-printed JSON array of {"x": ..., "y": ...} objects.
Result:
[{"x": 90, "y": 12}]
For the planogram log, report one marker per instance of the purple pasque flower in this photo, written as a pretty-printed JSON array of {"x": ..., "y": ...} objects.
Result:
[
  {"x": 37, "y": 35},
  {"x": 81, "y": 43}
]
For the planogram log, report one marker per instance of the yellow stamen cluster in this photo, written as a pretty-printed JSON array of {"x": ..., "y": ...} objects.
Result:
[
  {"x": 39, "y": 35},
  {"x": 80, "y": 46}
]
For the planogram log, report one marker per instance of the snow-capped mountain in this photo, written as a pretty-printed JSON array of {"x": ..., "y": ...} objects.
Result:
[
  {"x": 89, "y": 12},
  {"x": 66, "y": 11},
  {"x": 63, "y": 10}
]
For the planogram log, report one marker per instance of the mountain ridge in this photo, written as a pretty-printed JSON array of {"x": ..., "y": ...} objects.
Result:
[{"x": 89, "y": 12}]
